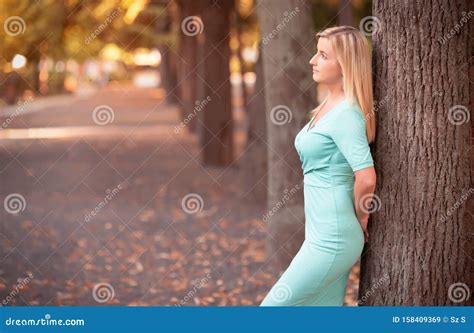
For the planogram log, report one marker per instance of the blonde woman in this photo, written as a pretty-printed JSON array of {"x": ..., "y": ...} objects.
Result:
[{"x": 339, "y": 175}]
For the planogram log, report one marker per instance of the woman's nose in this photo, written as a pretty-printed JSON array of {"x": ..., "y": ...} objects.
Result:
[{"x": 313, "y": 60}]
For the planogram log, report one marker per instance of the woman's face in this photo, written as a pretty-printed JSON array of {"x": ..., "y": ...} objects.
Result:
[{"x": 326, "y": 68}]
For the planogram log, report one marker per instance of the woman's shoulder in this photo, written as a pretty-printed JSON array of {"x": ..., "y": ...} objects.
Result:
[{"x": 350, "y": 111}]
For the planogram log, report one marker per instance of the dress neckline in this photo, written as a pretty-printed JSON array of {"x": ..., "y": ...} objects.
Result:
[{"x": 324, "y": 115}]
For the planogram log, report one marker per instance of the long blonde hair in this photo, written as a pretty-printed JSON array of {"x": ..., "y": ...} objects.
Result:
[{"x": 355, "y": 58}]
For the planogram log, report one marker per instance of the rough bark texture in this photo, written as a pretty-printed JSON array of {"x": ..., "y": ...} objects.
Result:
[
  {"x": 254, "y": 161},
  {"x": 216, "y": 129},
  {"x": 288, "y": 45},
  {"x": 417, "y": 248}
]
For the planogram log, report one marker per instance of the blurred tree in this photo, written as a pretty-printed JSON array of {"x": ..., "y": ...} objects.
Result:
[
  {"x": 421, "y": 235},
  {"x": 217, "y": 125},
  {"x": 346, "y": 14},
  {"x": 253, "y": 163},
  {"x": 288, "y": 44},
  {"x": 189, "y": 33}
]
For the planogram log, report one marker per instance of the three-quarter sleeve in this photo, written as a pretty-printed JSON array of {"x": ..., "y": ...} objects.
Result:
[{"x": 349, "y": 135}]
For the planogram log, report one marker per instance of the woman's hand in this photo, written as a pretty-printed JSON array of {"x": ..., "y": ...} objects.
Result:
[
  {"x": 364, "y": 187},
  {"x": 363, "y": 220}
]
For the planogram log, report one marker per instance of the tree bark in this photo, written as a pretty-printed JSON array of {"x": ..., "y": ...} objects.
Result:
[
  {"x": 288, "y": 45},
  {"x": 417, "y": 252},
  {"x": 216, "y": 128}
]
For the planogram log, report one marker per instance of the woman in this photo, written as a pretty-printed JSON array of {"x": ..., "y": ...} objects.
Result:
[{"x": 339, "y": 175}]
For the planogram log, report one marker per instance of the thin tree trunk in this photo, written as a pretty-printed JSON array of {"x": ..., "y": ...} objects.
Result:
[
  {"x": 217, "y": 126},
  {"x": 190, "y": 30},
  {"x": 346, "y": 14},
  {"x": 289, "y": 96},
  {"x": 417, "y": 254},
  {"x": 254, "y": 161}
]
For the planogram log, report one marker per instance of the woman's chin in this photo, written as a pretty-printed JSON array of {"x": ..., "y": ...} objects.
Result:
[{"x": 316, "y": 77}]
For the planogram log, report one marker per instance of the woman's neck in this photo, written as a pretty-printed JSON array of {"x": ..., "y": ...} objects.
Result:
[{"x": 335, "y": 92}]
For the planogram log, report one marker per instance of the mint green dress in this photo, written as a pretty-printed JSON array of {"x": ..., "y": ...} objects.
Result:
[{"x": 330, "y": 153}]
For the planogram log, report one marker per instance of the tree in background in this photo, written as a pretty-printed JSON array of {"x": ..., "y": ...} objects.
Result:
[
  {"x": 216, "y": 130},
  {"x": 288, "y": 44}
]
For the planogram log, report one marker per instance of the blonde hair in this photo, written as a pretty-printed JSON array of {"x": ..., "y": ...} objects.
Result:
[{"x": 355, "y": 58}]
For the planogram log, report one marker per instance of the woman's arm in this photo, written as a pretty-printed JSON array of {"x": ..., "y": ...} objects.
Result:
[{"x": 364, "y": 187}]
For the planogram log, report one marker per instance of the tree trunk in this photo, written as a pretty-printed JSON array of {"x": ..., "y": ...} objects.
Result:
[
  {"x": 190, "y": 29},
  {"x": 417, "y": 252},
  {"x": 254, "y": 161},
  {"x": 346, "y": 14},
  {"x": 168, "y": 66},
  {"x": 289, "y": 97},
  {"x": 216, "y": 130}
]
